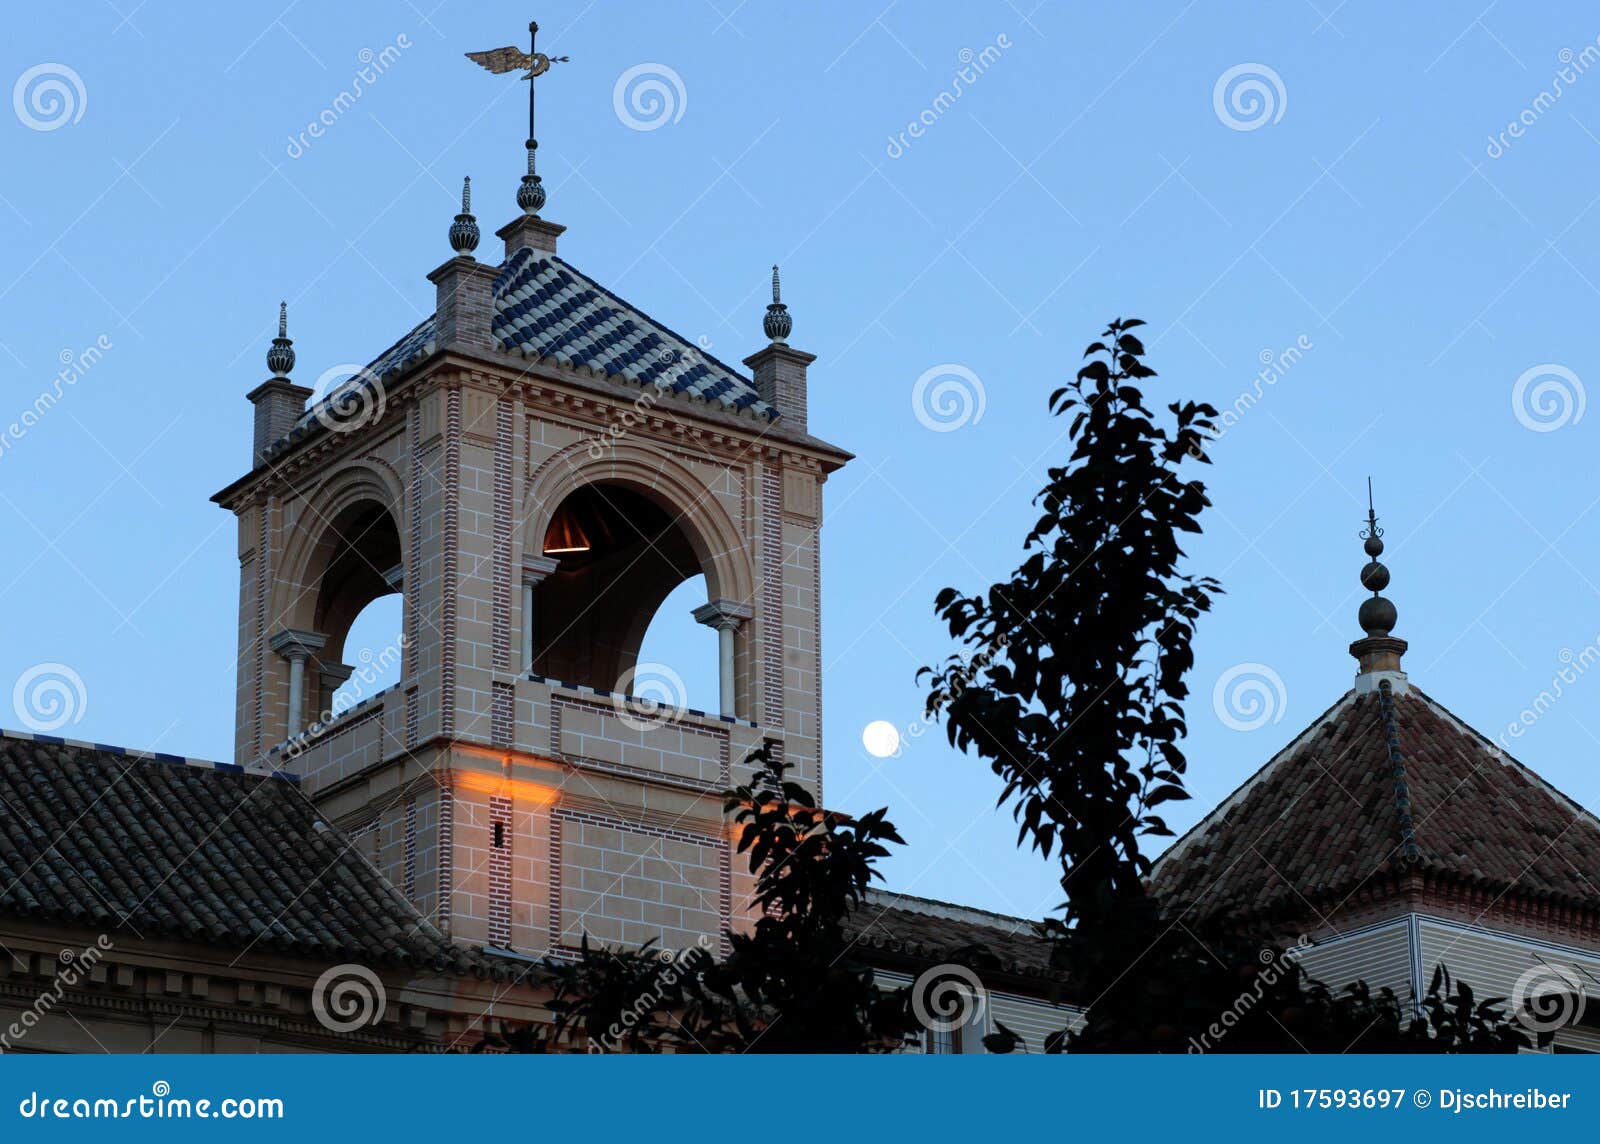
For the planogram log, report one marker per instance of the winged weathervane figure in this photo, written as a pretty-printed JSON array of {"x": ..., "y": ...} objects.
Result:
[
  {"x": 509, "y": 59},
  {"x": 530, "y": 195}
]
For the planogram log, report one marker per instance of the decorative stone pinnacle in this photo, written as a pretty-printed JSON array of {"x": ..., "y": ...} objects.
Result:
[
  {"x": 464, "y": 231},
  {"x": 777, "y": 323},
  {"x": 280, "y": 358}
]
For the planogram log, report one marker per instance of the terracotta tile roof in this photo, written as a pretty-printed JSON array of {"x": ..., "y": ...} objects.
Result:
[
  {"x": 921, "y": 930},
  {"x": 165, "y": 847},
  {"x": 1327, "y": 817}
]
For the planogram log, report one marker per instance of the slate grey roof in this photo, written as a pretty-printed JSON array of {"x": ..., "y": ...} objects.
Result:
[{"x": 159, "y": 846}]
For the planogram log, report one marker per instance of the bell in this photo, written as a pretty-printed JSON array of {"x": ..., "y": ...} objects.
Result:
[{"x": 565, "y": 535}]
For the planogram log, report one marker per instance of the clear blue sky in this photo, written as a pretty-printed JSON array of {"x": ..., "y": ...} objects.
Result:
[{"x": 1086, "y": 173}]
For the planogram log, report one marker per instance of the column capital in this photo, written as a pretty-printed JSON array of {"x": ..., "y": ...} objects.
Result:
[
  {"x": 292, "y": 643},
  {"x": 536, "y": 568},
  {"x": 336, "y": 675},
  {"x": 396, "y": 578},
  {"x": 721, "y": 614}
]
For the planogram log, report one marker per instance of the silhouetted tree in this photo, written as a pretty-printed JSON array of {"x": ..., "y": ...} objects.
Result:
[
  {"x": 1070, "y": 684},
  {"x": 788, "y": 985}
]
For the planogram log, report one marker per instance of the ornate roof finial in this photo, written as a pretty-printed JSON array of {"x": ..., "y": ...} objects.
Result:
[
  {"x": 1378, "y": 651},
  {"x": 280, "y": 358},
  {"x": 530, "y": 195},
  {"x": 777, "y": 323},
  {"x": 464, "y": 231}
]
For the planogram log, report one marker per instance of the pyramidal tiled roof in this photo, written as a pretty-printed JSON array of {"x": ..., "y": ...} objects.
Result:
[
  {"x": 546, "y": 308},
  {"x": 165, "y": 847},
  {"x": 1375, "y": 777}
]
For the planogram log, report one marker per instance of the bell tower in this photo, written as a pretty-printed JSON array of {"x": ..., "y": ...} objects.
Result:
[{"x": 533, "y": 469}]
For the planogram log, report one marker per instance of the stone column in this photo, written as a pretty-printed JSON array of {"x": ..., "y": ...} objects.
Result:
[
  {"x": 297, "y": 647},
  {"x": 534, "y": 570},
  {"x": 725, "y": 616}
]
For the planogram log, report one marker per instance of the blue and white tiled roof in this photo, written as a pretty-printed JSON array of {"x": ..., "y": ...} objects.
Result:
[{"x": 543, "y": 307}]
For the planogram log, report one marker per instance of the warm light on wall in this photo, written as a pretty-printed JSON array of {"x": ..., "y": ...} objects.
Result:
[{"x": 519, "y": 790}]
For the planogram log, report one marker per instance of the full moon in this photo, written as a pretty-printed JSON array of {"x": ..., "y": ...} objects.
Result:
[{"x": 881, "y": 739}]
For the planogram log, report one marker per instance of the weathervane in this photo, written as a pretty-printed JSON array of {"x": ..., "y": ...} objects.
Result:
[{"x": 530, "y": 195}]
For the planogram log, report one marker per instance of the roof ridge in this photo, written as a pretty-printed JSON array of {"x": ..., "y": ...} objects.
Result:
[
  {"x": 932, "y": 907},
  {"x": 1507, "y": 758},
  {"x": 1397, "y": 771},
  {"x": 149, "y": 756}
]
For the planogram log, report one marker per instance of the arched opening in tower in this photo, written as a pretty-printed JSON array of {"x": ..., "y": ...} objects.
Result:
[
  {"x": 620, "y": 556},
  {"x": 359, "y": 610}
]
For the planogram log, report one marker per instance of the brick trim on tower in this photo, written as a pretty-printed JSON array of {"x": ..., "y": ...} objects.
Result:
[
  {"x": 410, "y": 851},
  {"x": 445, "y": 907},
  {"x": 500, "y": 870},
  {"x": 263, "y": 575},
  {"x": 772, "y": 597},
  {"x": 452, "y": 552}
]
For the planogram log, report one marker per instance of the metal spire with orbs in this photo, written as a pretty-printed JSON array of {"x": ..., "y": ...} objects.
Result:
[
  {"x": 280, "y": 357},
  {"x": 464, "y": 231},
  {"x": 777, "y": 323},
  {"x": 1377, "y": 616},
  {"x": 1378, "y": 651}
]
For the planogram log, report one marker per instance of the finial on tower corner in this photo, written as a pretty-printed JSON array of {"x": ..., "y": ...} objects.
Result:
[
  {"x": 464, "y": 231},
  {"x": 777, "y": 324},
  {"x": 1378, "y": 651},
  {"x": 280, "y": 357}
]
